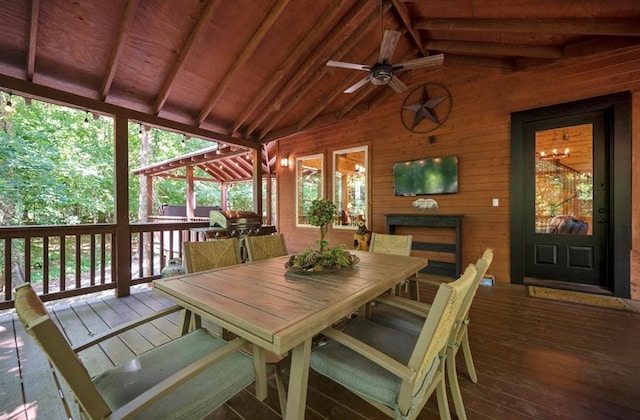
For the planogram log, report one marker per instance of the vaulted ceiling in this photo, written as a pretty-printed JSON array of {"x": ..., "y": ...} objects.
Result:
[{"x": 248, "y": 72}]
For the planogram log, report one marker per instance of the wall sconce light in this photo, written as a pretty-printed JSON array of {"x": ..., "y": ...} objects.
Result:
[{"x": 284, "y": 162}]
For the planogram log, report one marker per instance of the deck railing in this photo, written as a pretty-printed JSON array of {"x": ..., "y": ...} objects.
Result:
[{"x": 73, "y": 260}]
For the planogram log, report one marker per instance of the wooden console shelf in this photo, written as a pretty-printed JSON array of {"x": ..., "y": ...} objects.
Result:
[{"x": 432, "y": 220}]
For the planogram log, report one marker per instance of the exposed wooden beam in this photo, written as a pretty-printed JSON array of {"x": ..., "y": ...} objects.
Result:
[
  {"x": 195, "y": 178},
  {"x": 121, "y": 40},
  {"x": 406, "y": 20},
  {"x": 191, "y": 159},
  {"x": 357, "y": 98},
  {"x": 554, "y": 26},
  {"x": 232, "y": 169},
  {"x": 495, "y": 49},
  {"x": 339, "y": 34},
  {"x": 481, "y": 64},
  {"x": 56, "y": 96},
  {"x": 216, "y": 172},
  {"x": 320, "y": 121},
  {"x": 301, "y": 91},
  {"x": 32, "y": 37},
  {"x": 247, "y": 51},
  {"x": 290, "y": 65},
  {"x": 582, "y": 49},
  {"x": 194, "y": 36}
]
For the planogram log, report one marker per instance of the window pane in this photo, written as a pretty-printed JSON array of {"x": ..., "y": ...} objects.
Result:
[
  {"x": 564, "y": 180},
  {"x": 308, "y": 185},
  {"x": 350, "y": 186}
]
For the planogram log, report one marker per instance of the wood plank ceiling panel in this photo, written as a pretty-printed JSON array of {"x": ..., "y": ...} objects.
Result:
[{"x": 250, "y": 72}]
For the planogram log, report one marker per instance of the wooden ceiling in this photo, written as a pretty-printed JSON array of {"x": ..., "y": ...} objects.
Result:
[{"x": 248, "y": 72}]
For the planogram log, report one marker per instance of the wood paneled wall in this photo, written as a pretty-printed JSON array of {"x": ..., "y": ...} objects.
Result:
[{"x": 478, "y": 132}]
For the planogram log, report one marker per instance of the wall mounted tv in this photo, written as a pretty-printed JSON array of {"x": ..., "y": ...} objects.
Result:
[{"x": 426, "y": 176}]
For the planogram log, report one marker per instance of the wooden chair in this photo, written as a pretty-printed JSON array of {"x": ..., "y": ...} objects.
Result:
[
  {"x": 393, "y": 370},
  {"x": 384, "y": 243},
  {"x": 407, "y": 315},
  {"x": 265, "y": 246},
  {"x": 207, "y": 255},
  {"x": 260, "y": 248},
  {"x": 188, "y": 377}
]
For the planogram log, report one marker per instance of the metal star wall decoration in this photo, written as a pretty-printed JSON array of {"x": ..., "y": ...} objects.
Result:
[{"x": 424, "y": 108}]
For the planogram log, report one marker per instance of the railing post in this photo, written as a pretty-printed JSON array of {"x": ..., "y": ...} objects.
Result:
[{"x": 122, "y": 263}]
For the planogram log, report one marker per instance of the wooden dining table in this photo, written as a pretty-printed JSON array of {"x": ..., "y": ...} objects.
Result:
[{"x": 281, "y": 311}]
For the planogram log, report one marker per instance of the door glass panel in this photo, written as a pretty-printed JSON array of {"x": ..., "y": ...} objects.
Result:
[
  {"x": 564, "y": 180},
  {"x": 350, "y": 186},
  {"x": 308, "y": 185}
]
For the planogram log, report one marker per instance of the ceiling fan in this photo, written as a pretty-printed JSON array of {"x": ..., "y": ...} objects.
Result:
[{"x": 382, "y": 73}]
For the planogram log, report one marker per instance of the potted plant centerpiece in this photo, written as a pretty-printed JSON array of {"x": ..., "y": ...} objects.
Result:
[{"x": 321, "y": 213}]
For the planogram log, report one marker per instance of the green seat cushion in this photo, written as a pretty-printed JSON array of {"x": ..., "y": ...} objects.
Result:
[
  {"x": 195, "y": 398},
  {"x": 358, "y": 373},
  {"x": 395, "y": 318}
]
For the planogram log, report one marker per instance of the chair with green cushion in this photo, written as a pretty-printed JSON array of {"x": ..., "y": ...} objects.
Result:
[
  {"x": 265, "y": 246},
  {"x": 384, "y": 243},
  {"x": 393, "y": 370},
  {"x": 408, "y": 316},
  {"x": 185, "y": 378},
  {"x": 207, "y": 255}
]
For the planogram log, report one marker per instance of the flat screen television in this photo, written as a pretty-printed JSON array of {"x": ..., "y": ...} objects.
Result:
[{"x": 426, "y": 176}]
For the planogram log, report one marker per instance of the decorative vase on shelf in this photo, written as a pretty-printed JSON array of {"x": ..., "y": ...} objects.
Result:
[{"x": 174, "y": 268}]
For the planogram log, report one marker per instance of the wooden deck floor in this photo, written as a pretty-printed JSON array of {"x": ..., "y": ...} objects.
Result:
[{"x": 536, "y": 359}]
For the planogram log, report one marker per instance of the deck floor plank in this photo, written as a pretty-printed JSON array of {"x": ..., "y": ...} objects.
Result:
[
  {"x": 535, "y": 358},
  {"x": 11, "y": 389}
]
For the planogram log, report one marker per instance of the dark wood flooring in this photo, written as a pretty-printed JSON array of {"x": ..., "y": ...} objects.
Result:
[{"x": 536, "y": 359}]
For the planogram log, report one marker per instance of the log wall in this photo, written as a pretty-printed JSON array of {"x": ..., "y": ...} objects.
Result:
[{"x": 478, "y": 132}]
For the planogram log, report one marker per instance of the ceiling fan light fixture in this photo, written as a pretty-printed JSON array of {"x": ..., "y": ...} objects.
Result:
[{"x": 381, "y": 74}]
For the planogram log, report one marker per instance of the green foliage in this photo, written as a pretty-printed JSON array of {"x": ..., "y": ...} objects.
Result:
[
  {"x": 55, "y": 169},
  {"x": 240, "y": 196},
  {"x": 329, "y": 259},
  {"x": 321, "y": 213}
]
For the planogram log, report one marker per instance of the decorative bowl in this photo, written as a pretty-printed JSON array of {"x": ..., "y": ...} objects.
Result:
[{"x": 318, "y": 269}]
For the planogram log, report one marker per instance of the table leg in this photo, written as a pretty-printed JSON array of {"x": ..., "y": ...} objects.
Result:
[
  {"x": 260, "y": 365},
  {"x": 298, "y": 381},
  {"x": 185, "y": 321}
]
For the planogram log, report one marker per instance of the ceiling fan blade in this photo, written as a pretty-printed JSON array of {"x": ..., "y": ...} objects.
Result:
[
  {"x": 432, "y": 60},
  {"x": 389, "y": 43},
  {"x": 397, "y": 85},
  {"x": 344, "y": 65},
  {"x": 358, "y": 85}
]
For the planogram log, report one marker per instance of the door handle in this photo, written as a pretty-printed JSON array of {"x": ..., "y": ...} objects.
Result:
[{"x": 602, "y": 210}]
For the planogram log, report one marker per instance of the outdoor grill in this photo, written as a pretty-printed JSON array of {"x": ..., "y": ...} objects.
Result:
[{"x": 236, "y": 223}]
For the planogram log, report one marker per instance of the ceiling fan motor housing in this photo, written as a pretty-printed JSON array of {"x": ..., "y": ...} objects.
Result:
[{"x": 381, "y": 74}]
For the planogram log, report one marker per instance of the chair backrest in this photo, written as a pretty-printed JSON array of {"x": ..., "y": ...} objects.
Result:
[
  {"x": 207, "y": 255},
  {"x": 48, "y": 336},
  {"x": 482, "y": 265},
  {"x": 383, "y": 243},
  {"x": 435, "y": 334},
  {"x": 265, "y": 246}
]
